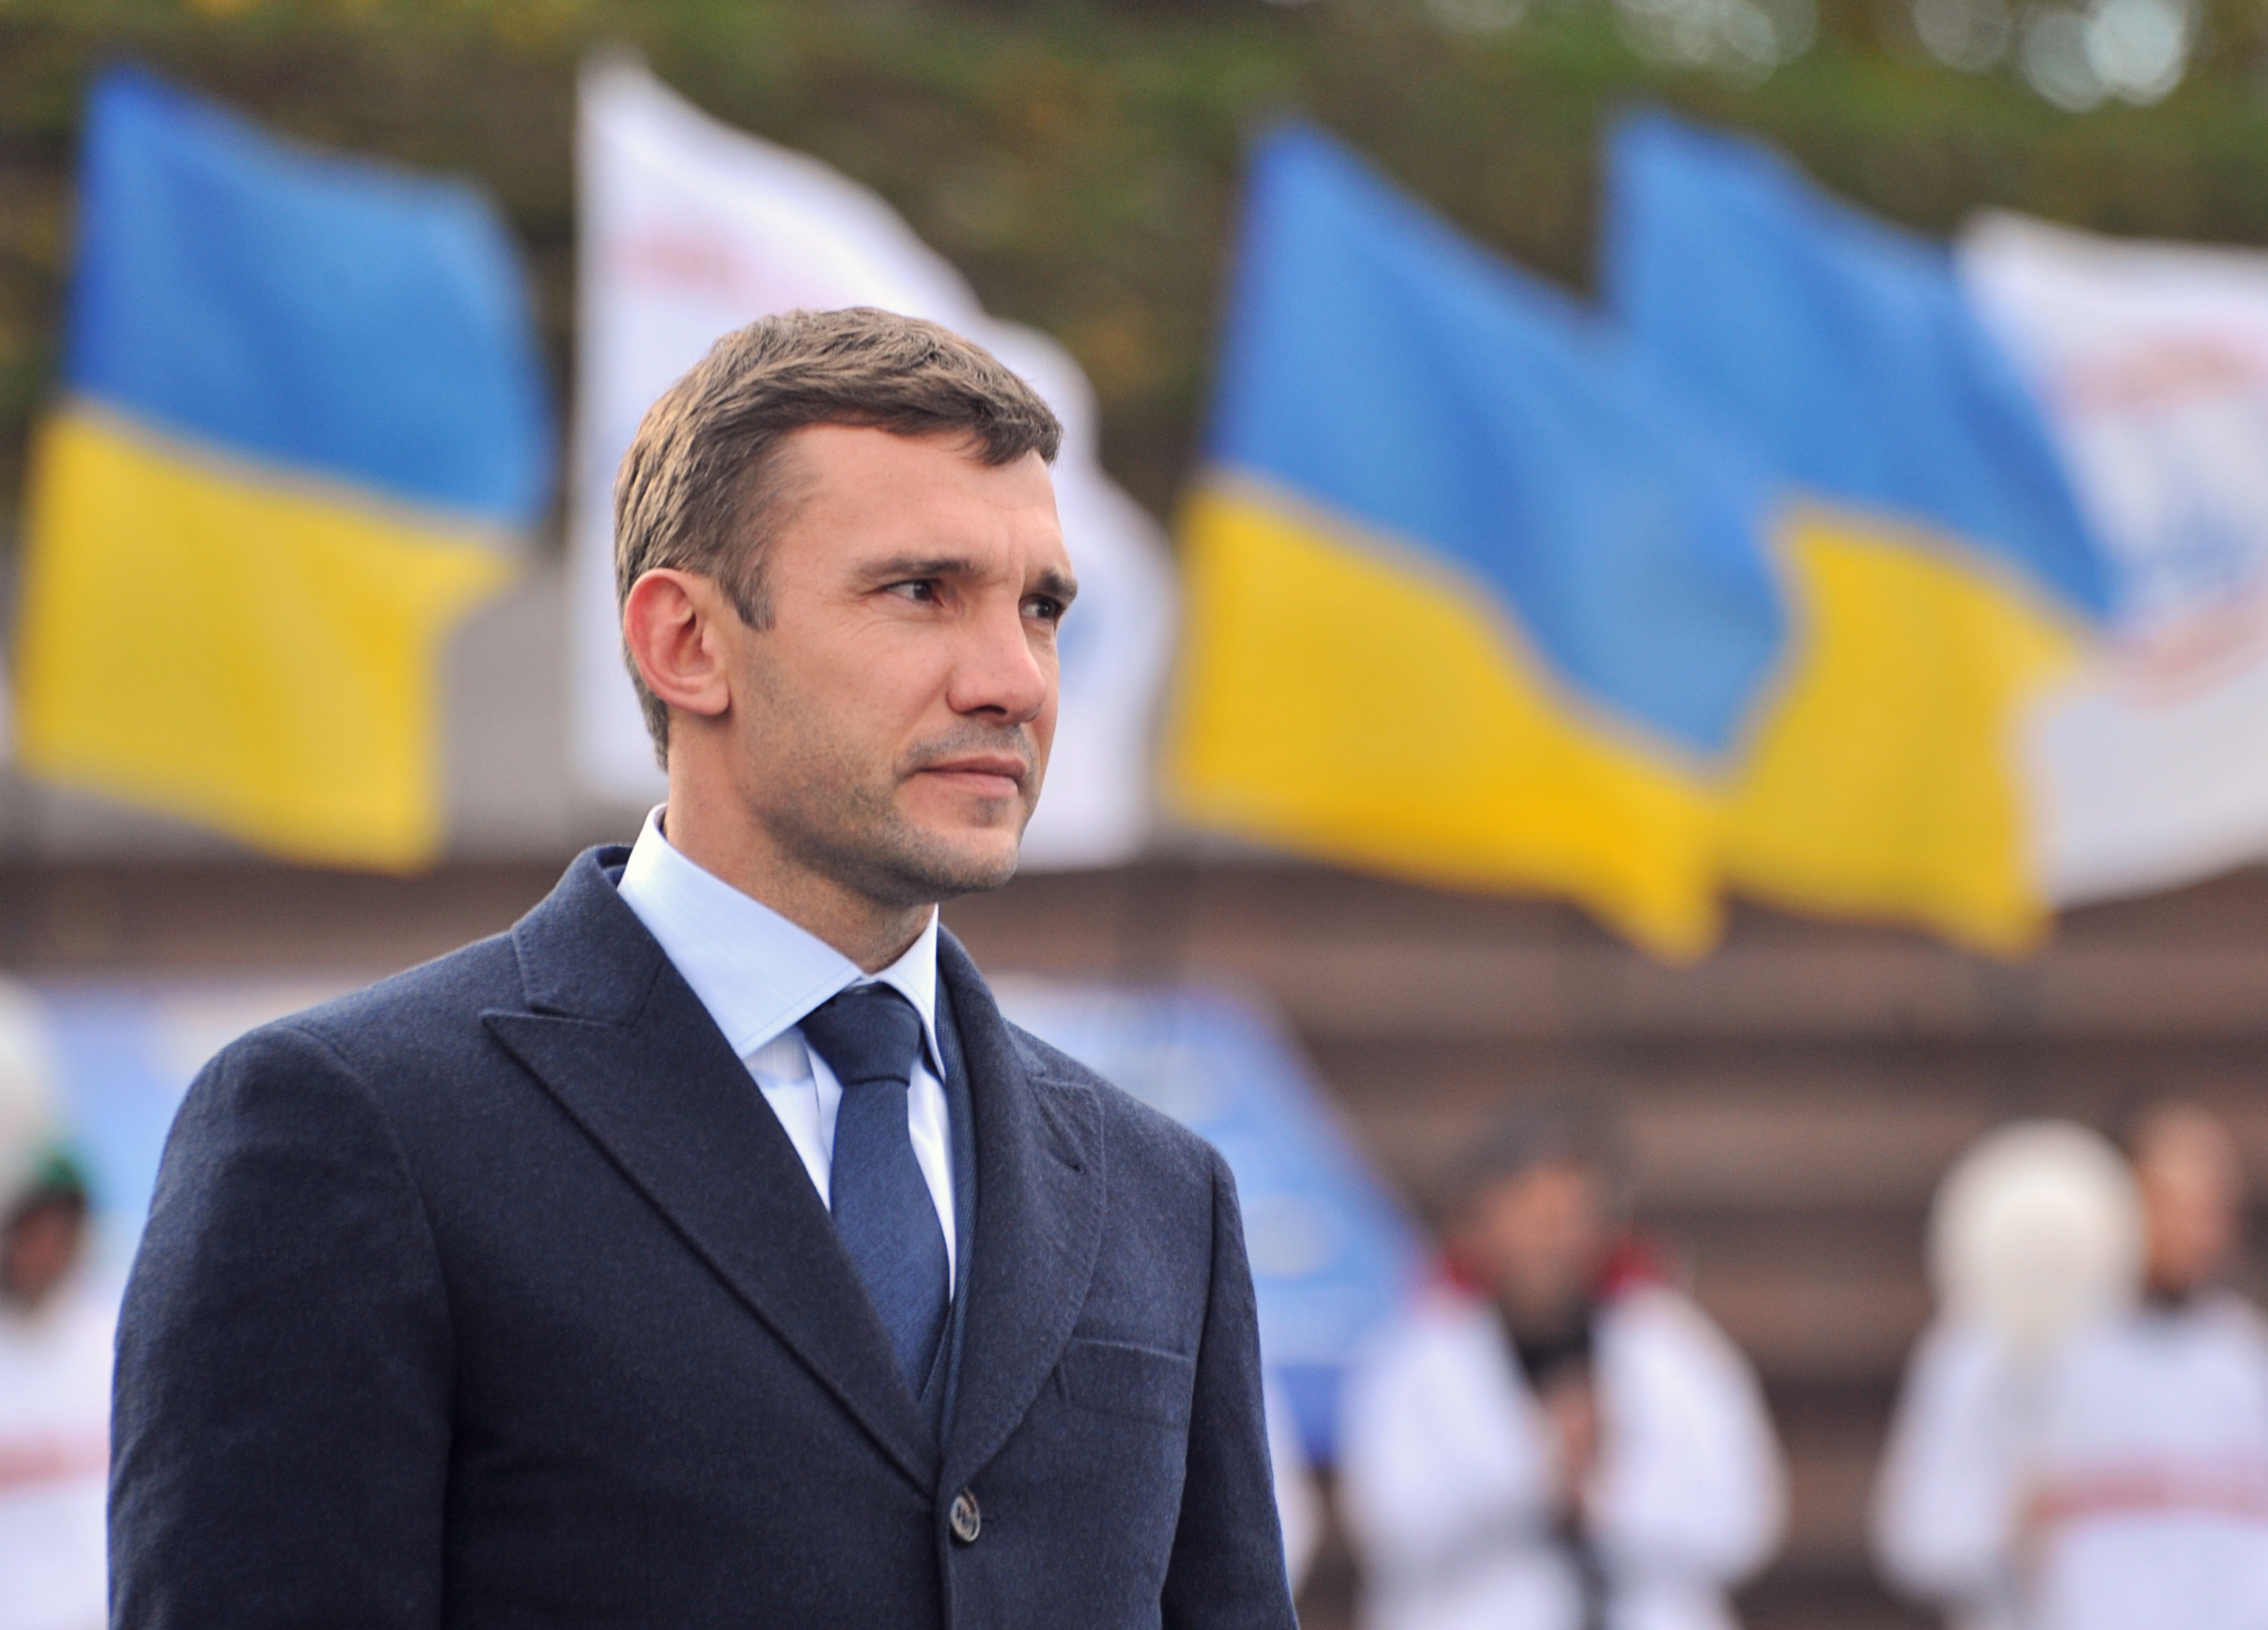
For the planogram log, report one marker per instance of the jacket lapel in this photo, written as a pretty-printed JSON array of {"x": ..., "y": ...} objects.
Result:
[
  {"x": 1040, "y": 1192},
  {"x": 961, "y": 1132},
  {"x": 620, "y": 1041}
]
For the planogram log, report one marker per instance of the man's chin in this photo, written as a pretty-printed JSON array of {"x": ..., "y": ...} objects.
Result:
[{"x": 938, "y": 865}]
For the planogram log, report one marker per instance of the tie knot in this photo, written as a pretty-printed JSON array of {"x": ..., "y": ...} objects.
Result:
[{"x": 866, "y": 1034}]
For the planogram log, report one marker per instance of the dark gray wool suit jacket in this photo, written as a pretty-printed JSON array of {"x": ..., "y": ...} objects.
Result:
[{"x": 495, "y": 1296}]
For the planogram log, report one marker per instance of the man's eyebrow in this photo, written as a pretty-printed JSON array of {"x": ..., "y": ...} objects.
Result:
[
  {"x": 1061, "y": 585},
  {"x": 905, "y": 566}
]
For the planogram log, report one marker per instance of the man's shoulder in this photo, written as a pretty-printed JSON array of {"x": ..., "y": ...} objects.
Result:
[
  {"x": 1132, "y": 1129},
  {"x": 424, "y": 1013},
  {"x": 1654, "y": 1326},
  {"x": 577, "y": 951},
  {"x": 2233, "y": 1317},
  {"x": 365, "y": 1077},
  {"x": 1436, "y": 1316}
]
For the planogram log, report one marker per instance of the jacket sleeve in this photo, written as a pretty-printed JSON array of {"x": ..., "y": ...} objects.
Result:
[
  {"x": 1692, "y": 1485},
  {"x": 280, "y": 1425},
  {"x": 1946, "y": 1508},
  {"x": 1228, "y": 1564},
  {"x": 1442, "y": 1465}
]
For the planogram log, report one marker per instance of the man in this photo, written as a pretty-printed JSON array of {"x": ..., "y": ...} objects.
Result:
[
  {"x": 56, "y": 1322},
  {"x": 2120, "y": 1481},
  {"x": 1552, "y": 1439},
  {"x": 707, "y": 1251}
]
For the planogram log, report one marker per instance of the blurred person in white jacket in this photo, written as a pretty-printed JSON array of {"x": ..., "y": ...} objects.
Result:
[
  {"x": 57, "y": 1321},
  {"x": 1552, "y": 1438},
  {"x": 1299, "y": 1503},
  {"x": 2120, "y": 1479}
]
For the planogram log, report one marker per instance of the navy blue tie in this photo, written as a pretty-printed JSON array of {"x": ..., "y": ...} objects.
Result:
[{"x": 870, "y": 1037}]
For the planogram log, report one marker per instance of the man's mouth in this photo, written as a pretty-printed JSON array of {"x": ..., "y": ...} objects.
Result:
[{"x": 985, "y": 775}]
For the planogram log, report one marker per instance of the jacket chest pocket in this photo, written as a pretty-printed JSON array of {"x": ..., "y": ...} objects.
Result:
[{"x": 1119, "y": 1378}]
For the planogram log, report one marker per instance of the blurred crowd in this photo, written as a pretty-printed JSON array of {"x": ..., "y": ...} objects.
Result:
[
  {"x": 57, "y": 1317},
  {"x": 1556, "y": 1437},
  {"x": 2106, "y": 1468}
]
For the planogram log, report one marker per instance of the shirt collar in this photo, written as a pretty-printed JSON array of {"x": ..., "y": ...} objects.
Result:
[{"x": 756, "y": 972}]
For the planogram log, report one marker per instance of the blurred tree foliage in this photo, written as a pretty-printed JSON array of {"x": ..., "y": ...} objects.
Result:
[{"x": 1079, "y": 161}]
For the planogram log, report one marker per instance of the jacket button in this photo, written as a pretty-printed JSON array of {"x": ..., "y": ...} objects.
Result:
[{"x": 966, "y": 1521}]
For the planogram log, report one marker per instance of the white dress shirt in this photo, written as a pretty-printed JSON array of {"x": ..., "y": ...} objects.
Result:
[{"x": 758, "y": 974}]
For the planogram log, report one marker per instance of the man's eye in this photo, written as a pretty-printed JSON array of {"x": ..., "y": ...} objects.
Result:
[
  {"x": 921, "y": 588},
  {"x": 1046, "y": 607}
]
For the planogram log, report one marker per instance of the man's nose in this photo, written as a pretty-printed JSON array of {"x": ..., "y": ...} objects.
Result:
[{"x": 1000, "y": 672}]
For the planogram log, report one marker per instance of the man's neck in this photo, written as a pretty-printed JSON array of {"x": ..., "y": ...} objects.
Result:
[{"x": 869, "y": 933}]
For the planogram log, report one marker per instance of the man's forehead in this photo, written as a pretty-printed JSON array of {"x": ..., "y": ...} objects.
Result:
[
  {"x": 1557, "y": 1178},
  {"x": 876, "y": 502},
  {"x": 828, "y": 445},
  {"x": 856, "y": 468}
]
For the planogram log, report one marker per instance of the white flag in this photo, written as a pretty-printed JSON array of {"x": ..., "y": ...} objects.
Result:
[
  {"x": 2151, "y": 361},
  {"x": 691, "y": 229}
]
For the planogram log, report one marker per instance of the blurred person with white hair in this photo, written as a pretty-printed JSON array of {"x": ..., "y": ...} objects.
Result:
[
  {"x": 2112, "y": 1473},
  {"x": 1553, "y": 1438},
  {"x": 56, "y": 1326}
]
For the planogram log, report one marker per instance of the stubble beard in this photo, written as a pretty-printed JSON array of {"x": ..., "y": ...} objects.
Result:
[{"x": 841, "y": 822}]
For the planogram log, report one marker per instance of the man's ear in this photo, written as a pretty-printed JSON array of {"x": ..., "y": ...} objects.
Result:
[{"x": 676, "y": 627}]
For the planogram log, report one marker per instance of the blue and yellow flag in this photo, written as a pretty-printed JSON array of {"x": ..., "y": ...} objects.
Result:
[
  {"x": 1470, "y": 597},
  {"x": 1942, "y": 575},
  {"x": 303, "y": 420},
  {"x": 1486, "y": 589}
]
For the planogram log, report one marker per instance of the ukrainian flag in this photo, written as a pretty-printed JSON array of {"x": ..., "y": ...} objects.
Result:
[
  {"x": 1470, "y": 596},
  {"x": 1943, "y": 578},
  {"x": 1485, "y": 589},
  {"x": 303, "y": 422}
]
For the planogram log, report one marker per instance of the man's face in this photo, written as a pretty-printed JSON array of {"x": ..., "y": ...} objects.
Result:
[
  {"x": 892, "y": 724},
  {"x": 2192, "y": 1184},
  {"x": 39, "y": 1248},
  {"x": 1537, "y": 1238}
]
